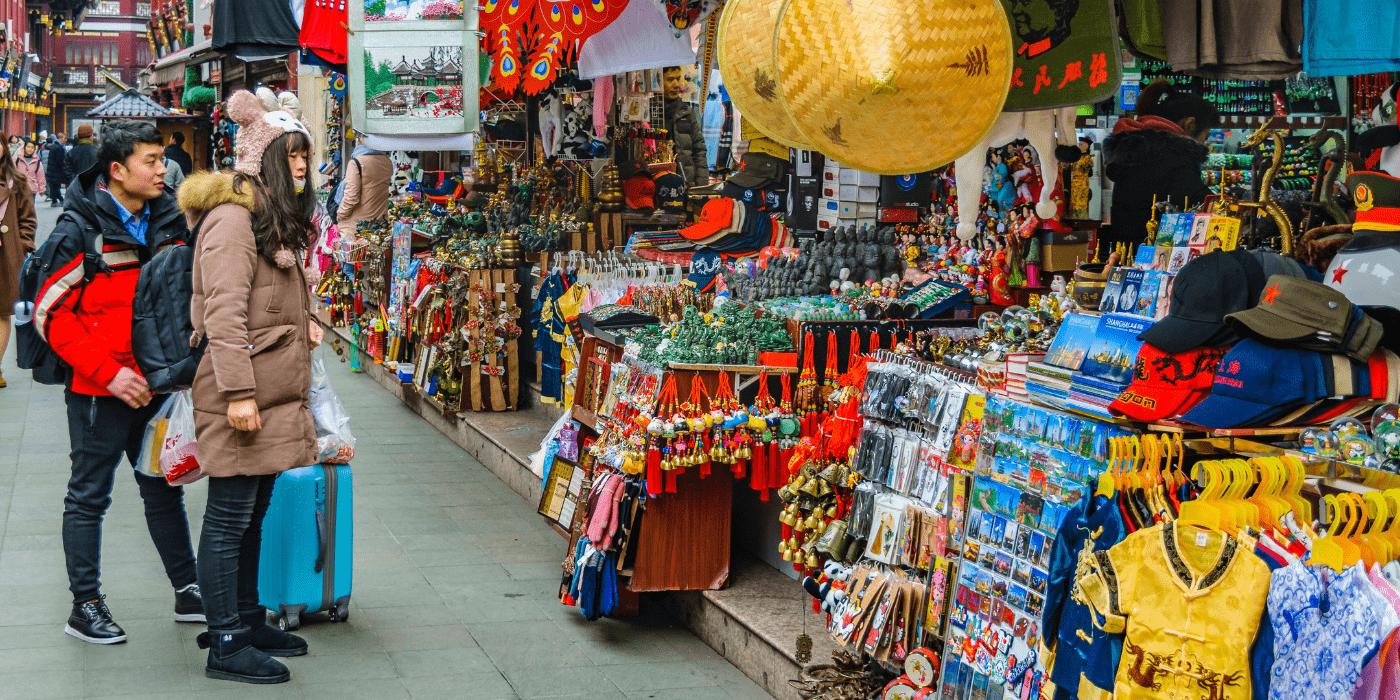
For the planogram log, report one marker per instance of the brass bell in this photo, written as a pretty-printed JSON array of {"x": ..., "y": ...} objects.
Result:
[
  {"x": 812, "y": 487},
  {"x": 786, "y": 554},
  {"x": 821, "y": 527},
  {"x": 819, "y": 512},
  {"x": 785, "y": 517},
  {"x": 823, "y": 489},
  {"x": 811, "y": 522},
  {"x": 782, "y": 547},
  {"x": 799, "y": 524},
  {"x": 812, "y": 561}
]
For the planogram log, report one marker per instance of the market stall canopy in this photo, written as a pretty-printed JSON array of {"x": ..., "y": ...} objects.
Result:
[
  {"x": 255, "y": 29},
  {"x": 130, "y": 104}
]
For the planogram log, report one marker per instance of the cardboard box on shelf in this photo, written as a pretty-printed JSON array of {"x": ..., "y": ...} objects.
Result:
[{"x": 1063, "y": 257}]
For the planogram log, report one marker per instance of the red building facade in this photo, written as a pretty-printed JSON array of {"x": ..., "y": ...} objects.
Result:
[{"x": 109, "y": 45}]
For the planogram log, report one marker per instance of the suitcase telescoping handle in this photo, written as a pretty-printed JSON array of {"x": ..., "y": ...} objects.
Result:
[{"x": 320, "y": 539}]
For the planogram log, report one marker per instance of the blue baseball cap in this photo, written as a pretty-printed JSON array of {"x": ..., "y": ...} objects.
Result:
[
  {"x": 1253, "y": 382},
  {"x": 705, "y": 265}
]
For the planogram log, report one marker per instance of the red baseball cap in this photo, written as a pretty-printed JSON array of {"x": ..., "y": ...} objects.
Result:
[
  {"x": 640, "y": 192},
  {"x": 716, "y": 214},
  {"x": 1167, "y": 384}
]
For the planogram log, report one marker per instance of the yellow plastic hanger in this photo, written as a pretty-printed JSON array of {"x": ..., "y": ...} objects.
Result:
[
  {"x": 1205, "y": 511},
  {"x": 1358, "y": 518},
  {"x": 1292, "y": 492},
  {"x": 1378, "y": 511},
  {"x": 1329, "y": 551},
  {"x": 1266, "y": 480},
  {"x": 1108, "y": 486}
]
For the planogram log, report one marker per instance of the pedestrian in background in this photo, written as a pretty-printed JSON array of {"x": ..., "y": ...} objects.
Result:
[
  {"x": 32, "y": 167},
  {"x": 17, "y": 224},
  {"x": 56, "y": 172},
  {"x": 84, "y": 153}
]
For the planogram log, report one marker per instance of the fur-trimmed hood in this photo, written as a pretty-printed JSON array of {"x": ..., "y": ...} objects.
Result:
[
  {"x": 202, "y": 192},
  {"x": 1149, "y": 148}
]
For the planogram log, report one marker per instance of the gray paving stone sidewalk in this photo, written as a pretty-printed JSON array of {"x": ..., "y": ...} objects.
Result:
[{"x": 453, "y": 596}]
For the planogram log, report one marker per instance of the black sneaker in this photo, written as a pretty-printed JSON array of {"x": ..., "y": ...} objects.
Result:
[
  {"x": 189, "y": 605},
  {"x": 91, "y": 622}
]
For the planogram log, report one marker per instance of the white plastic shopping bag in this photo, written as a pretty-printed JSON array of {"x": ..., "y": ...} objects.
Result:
[
  {"x": 334, "y": 443},
  {"x": 178, "y": 459},
  {"x": 148, "y": 462}
]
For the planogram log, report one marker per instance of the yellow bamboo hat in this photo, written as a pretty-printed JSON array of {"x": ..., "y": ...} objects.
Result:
[
  {"x": 892, "y": 86},
  {"x": 744, "y": 49}
]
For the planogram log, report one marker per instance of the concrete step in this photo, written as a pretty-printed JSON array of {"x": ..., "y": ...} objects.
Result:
[{"x": 754, "y": 622}]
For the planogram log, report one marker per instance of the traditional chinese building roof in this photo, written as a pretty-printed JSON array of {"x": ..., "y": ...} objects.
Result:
[{"x": 133, "y": 105}]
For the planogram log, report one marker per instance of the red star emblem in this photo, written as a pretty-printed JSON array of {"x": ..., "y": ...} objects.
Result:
[
  {"x": 1338, "y": 274},
  {"x": 1271, "y": 294}
]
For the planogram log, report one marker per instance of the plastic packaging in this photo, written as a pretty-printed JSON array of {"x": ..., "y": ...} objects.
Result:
[
  {"x": 334, "y": 443},
  {"x": 178, "y": 459},
  {"x": 148, "y": 461}
]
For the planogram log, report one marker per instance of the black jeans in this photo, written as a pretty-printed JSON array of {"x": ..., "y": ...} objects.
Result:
[
  {"x": 229, "y": 547},
  {"x": 56, "y": 194},
  {"x": 101, "y": 429}
]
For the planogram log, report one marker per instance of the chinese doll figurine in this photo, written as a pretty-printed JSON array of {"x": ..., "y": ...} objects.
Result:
[
  {"x": 1030, "y": 223},
  {"x": 1080, "y": 172},
  {"x": 999, "y": 185}
]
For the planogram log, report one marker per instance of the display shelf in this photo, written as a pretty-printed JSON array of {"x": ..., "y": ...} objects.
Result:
[
  {"x": 1316, "y": 465},
  {"x": 734, "y": 369}
]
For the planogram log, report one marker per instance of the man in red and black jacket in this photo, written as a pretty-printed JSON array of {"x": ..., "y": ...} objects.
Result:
[{"x": 86, "y": 319}]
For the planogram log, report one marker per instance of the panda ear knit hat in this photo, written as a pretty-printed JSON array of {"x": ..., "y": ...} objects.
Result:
[{"x": 257, "y": 128}]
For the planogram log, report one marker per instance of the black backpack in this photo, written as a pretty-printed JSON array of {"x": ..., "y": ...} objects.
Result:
[
  {"x": 162, "y": 335},
  {"x": 33, "y": 351}
]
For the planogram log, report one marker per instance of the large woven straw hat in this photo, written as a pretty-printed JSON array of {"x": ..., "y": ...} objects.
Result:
[
  {"x": 744, "y": 49},
  {"x": 889, "y": 86}
]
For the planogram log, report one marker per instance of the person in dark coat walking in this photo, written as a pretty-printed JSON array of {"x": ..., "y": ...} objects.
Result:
[
  {"x": 1157, "y": 154},
  {"x": 56, "y": 173},
  {"x": 176, "y": 152},
  {"x": 84, "y": 154}
]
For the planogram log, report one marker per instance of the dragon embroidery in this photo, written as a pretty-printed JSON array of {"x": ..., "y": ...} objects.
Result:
[{"x": 1145, "y": 677}]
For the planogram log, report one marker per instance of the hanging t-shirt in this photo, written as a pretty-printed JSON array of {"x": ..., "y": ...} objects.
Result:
[
  {"x": 255, "y": 28},
  {"x": 1350, "y": 38},
  {"x": 1244, "y": 39}
]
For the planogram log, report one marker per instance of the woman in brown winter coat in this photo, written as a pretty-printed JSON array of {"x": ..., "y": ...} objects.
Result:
[
  {"x": 252, "y": 390},
  {"x": 17, "y": 224}
]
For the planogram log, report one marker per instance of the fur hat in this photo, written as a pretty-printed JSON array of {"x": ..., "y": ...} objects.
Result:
[{"x": 257, "y": 128}]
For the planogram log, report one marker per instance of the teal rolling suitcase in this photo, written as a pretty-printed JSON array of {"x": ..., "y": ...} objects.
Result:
[{"x": 308, "y": 544}]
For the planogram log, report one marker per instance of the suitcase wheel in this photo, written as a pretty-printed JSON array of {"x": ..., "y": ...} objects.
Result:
[
  {"x": 341, "y": 613},
  {"x": 289, "y": 622}
]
